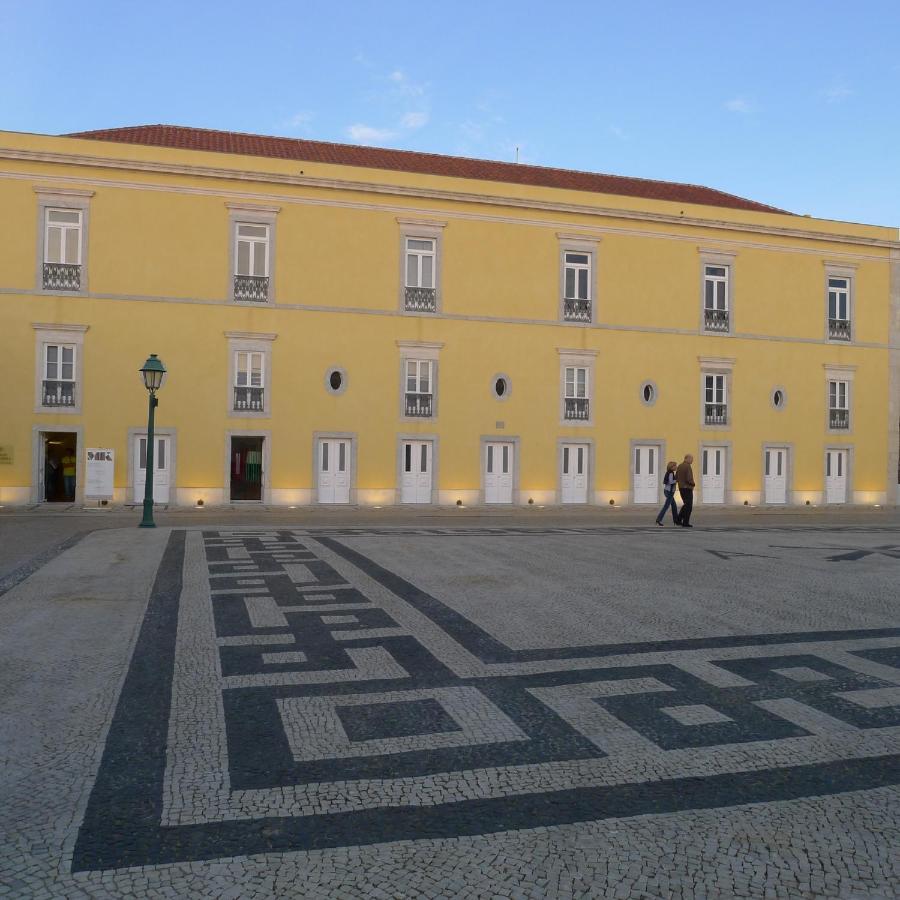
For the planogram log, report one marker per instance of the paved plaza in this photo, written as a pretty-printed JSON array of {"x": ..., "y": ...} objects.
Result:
[{"x": 439, "y": 710}]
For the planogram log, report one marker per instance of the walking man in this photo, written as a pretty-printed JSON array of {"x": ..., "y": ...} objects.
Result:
[{"x": 684, "y": 475}]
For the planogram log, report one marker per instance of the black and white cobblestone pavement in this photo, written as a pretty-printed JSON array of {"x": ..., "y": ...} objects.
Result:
[{"x": 437, "y": 711}]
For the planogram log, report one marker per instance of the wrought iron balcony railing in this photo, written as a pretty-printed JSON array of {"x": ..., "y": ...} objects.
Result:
[
  {"x": 578, "y": 408},
  {"x": 839, "y": 329},
  {"x": 58, "y": 393},
  {"x": 839, "y": 418},
  {"x": 418, "y": 405},
  {"x": 715, "y": 319},
  {"x": 576, "y": 310},
  {"x": 248, "y": 399},
  {"x": 251, "y": 287},
  {"x": 716, "y": 414},
  {"x": 421, "y": 299},
  {"x": 61, "y": 277}
]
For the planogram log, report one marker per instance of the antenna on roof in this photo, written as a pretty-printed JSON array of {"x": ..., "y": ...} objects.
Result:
[{"x": 517, "y": 154}]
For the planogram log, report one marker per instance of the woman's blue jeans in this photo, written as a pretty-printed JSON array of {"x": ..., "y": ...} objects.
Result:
[{"x": 670, "y": 501}]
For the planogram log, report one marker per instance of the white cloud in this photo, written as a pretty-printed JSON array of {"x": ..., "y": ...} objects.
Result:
[
  {"x": 837, "y": 92},
  {"x": 367, "y": 134},
  {"x": 739, "y": 105},
  {"x": 618, "y": 132},
  {"x": 412, "y": 120},
  {"x": 397, "y": 75},
  {"x": 300, "y": 119}
]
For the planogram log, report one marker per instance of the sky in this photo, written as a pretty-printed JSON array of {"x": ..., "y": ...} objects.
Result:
[{"x": 795, "y": 103}]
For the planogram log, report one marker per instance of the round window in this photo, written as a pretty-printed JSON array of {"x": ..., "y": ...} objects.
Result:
[
  {"x": 336, "y": 381},
  {"x": 648, "y": 393},
  {"x": 501, "y": 387}
]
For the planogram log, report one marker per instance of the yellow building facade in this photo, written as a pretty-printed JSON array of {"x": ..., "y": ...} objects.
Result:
[{"x": 345, "y": 325}]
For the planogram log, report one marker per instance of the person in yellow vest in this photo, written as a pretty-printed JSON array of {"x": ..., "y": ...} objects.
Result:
[{"x": 68, "y": 467}]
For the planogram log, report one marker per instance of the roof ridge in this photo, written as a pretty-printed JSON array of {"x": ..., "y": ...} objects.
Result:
[{"x": 385, "y": 154}]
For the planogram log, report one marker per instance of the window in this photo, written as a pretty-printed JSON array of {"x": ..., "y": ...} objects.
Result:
[
  {"x": 62, "y": 239},
  {"x": 715, "y": 298},
  {"x": 715, "y": 399},
  {"x": 249, "y": 384},
  {"x": 251, "y": 262},
  {"x": 420, "y": 291},
  {"x": 648, "y": 393},
  {"x": 839, "y": 308},
  {"x": 716, "y": 290},
  {"x": 576, "y": 393},
  {"x": 252, "y": 252},
  {"x": 336, "y": 381},
  {"x": 59, "y": 375},
  {"x": 58, "y": 367},
  {"x": 578, "y": 254},
  {"x": 779, "y": 398},
  {"x": 418, "y": 393},
  {"x": 249, "y": 373},
  {"x": 62, "y": 249},
  {"x": 501, "y": 387},
  {"x": 576, "y": 376},
  {"x": 839, "y": 405}
]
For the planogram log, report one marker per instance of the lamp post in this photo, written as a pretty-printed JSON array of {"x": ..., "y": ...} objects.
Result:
[{"x": 153, "y": 372}]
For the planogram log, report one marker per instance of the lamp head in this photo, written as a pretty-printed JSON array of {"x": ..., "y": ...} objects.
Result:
[{"x": 153, "y": 372}]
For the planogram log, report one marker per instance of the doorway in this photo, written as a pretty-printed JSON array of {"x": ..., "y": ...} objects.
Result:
[
  {"x": 59, "y": 466},
  {"x": 498, "y": 472},
  {"x": 775, "y": 474},
  {"x": 574, "y": 474},
  {"x": 334, "y": 470},
  {"x": 162, "y": 463},
  {"x": 246, "y": 468},
  {"x": 712, "y": 475},
  {"x": 416, "y": 472},
  {"x": 645, "y": 473},
  {"x": 836, "y": 464}
]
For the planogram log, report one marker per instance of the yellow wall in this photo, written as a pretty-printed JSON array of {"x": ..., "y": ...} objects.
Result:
[{"x": 158, "y": 274}]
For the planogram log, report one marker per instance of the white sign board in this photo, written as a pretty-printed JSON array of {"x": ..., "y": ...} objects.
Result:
[{"x": 99, "y": 466}]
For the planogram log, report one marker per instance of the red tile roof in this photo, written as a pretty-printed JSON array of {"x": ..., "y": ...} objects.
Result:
[{"x": 183, "y": 138}]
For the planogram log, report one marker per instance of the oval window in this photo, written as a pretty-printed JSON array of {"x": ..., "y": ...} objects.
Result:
[
  {"x": 648, "y": 393},
  {"x": 778, "y": 399},
  {"x": 500, "y": 387},
  {"x": 335, "y": 380}
]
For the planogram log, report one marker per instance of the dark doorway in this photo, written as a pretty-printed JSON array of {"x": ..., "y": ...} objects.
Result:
[
  {"x": 60, "y": 466},
  {"x": 246, "y": 468}
]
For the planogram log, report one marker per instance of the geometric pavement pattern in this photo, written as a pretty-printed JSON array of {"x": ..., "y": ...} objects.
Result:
[{"x": 286, "y": 692}]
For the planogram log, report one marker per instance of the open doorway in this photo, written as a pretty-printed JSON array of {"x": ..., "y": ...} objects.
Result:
[
  {"x": 59, "y": 458},
  {"x": 246, "y": 468}
]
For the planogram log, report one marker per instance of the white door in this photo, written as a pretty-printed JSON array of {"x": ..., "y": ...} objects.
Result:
[
  {"x": 415, "y": 475},
  {"x": 334, "y": 470},
  {"x": 836, "y": 476},
  {"x": 646, "y": 473},
  {"x": 161, "y": 467},
  {"x": 776, "y": 475},
  {"x": 712, "y": 475},
  {"x": 498, "y": 467},
  {"x": 574, "y": 473}
]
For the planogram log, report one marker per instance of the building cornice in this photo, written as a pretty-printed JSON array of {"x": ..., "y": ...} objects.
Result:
[{"x": 433, "y": 194}]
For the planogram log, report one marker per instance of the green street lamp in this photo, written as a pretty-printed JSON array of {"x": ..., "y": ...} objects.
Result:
[{"x": 153, "y": 372}]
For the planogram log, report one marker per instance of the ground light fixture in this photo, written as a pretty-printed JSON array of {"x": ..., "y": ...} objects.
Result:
[{"x": 153, "y": 372}]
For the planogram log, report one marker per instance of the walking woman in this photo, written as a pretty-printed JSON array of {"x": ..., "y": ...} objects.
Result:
[{"x": 669, "y": 482}]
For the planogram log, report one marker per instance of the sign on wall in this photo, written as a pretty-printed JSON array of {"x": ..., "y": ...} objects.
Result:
[
  {"x": 6, "y": 455},
  {"x": 99, "y": 467}
]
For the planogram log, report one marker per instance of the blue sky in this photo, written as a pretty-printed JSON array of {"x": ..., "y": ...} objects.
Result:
[{"x": 792, "y": 103}]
